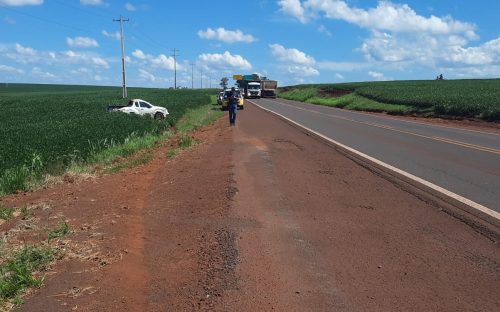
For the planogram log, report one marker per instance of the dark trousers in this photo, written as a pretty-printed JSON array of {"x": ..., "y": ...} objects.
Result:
[{"x": 232, "y": 115}]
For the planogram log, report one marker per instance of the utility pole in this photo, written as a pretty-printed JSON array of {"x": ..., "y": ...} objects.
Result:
[
  {"x": 192, "y": 75},
  {"x": 124, "y": 88},
  {"x": 174, "y": 54},
  {"x": 201, "y": 79}
]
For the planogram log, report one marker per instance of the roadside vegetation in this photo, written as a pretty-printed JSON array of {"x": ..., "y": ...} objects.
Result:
[
  {"x": 49, "y": 129},
  {"x": 20, "y": 271},
  {"x": 458, "y": 98},
  {"x": 109, "y": 147},
  {"x": 6, "y": 213},
  {"x": 192, "y": 120},
  {"x": 61, "y": 230}
]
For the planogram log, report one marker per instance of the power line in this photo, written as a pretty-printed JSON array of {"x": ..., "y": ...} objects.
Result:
[
  {"x": 46, "y": 20},
  {"x": 121, "y": 20},
  {"x": 143, "y": 34},
  {"x": 79, "y": 8}
]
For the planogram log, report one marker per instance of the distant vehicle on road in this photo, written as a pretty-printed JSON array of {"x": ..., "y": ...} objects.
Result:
[
  {"x": 251, "y": 89},
  {"x": 268, "y": 88},
  {"x": 220, "y": 96},
  {"x": 140, "y": 107},
  {"x": 225, "y": 100},
  {"x": 255, "y": 86}
]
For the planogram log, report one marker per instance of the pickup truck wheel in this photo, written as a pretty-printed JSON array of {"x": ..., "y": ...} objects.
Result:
[{"x": 159, "y": 116}]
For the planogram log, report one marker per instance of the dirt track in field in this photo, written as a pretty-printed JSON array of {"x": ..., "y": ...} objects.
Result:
[{"x": 257, "y": 217}]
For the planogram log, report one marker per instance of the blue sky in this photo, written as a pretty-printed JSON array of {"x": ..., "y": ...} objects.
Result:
[{"x": 292, "y": 41}]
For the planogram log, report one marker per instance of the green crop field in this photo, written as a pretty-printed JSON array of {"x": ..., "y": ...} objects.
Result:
[
  {"x": 465, "y": 98},
  {"x": 47, "y": 127}
]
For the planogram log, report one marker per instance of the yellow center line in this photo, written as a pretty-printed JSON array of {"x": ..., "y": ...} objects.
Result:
[
  {"x": 469, "y": 145},
  {"x": 440, "y": 139}
]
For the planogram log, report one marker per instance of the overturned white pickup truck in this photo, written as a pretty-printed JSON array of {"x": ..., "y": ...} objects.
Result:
[{"x": 140, "y": 107}]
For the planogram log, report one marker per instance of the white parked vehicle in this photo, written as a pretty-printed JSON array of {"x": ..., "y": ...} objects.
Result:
[
  {"x": 140, "y": 107},
  {"x": 220, "y": 97}
]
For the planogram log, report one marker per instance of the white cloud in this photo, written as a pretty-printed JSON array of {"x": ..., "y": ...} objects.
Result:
[
  {"x": 322, "y": 29},
  {"x": 291, "y": 55},
  {"x": 471, "y": 72},
  {"x": 10, "y": 69},
  {"x": 81, "y": 70},
  {"x": 387, "y": 16},
  {"x": 25, "y": 51},
  {"x": 139, "y": 54},
  {"x": 130, "y": 7},
  {"x": 92, "y": 2},
  {"x": 38, "y": 72},
  {"x": 488, "y": 53},
  {"x": 20, "y": 2},
  {"x": 100, "y": 62},
  {"x": 160, "y": 61},
  {"x": 163, "y": 61},
  {"x": 115, "y": 35},
  {"x": 293, "y": 8},
  {"x": 429, "y": 50},
  {"x": 25, "y": 55},
  {"x": 343, "y": 66},
  {"x": 339, "y": 76},
  {"x": 224, "y": 61},
  {"x": 82, "y": 42},
  {"x": 400, "y": 37},
  {"x": 378, "y": 76},
  {"x": 306, "y": 71},
  {"x": 143, "y": 74},
  {"x": 224, "y": 35},
  {"x": 294, "y": 61}
]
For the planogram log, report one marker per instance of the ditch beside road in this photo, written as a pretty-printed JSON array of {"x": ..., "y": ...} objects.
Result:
[{"x": 259, "y": 217}]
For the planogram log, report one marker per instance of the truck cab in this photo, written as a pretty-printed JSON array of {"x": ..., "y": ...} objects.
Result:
[{"x": 253, "y": 90}]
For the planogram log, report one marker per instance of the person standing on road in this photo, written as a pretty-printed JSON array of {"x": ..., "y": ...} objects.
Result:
[{"x": 233, "y": 106}]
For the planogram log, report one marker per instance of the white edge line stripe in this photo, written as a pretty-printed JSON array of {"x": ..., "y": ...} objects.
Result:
[
  {"x": 402, "y": 120},
  {"x": 461, "y": 199}
]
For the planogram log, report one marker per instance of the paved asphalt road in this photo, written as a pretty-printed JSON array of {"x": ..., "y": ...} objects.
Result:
[{"x": 465, "y": 162}]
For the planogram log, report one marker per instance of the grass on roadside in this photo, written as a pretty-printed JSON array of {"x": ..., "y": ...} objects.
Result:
[
  {"x": 25, "y": 212},
  {"x": 199, "y": 117},
  {"x": 356, "y": 102},
  {"x": 6, "y": 213},
  {"x": 18, "y": 271},
  {"x": 130, "y": 163},
  {"x": 23, "y": 177},
  {"x": 351, "y": 101},
  {"x": 299, "y": 94},
  {"x": 194, "y": 119},
  {"x": 173, "y": 152},
  {"x": 469, "y": 98},
  {"x": 184, "y": 143},
  {"x": 60, "y": 231}
]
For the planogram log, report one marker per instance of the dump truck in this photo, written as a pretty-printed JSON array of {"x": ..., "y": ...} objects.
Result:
[{"x": 268, "y": 88}]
